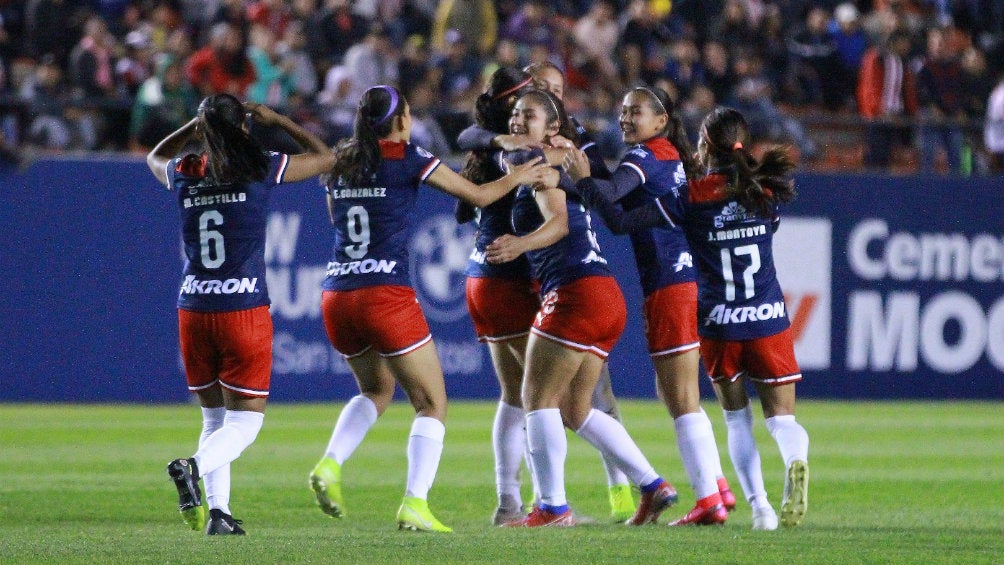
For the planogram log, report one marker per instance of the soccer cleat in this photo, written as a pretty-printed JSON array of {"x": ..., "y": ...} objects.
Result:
[
  {"x": 713, "y": 515},
  {"x": 542, "y": 518},
  {"x": 622, "y": 505},
  {"x": 414, "y": 515},
  {"x": 223, "y": 524},
  {"x": 795, "y": 500},
  {"x": 509, "y": 510},
  {"x": 653, "y": 503},
  {"x": 326, "y": 482},
  {"x": 185, "y": 474},
  {"x": 764, "y": 518},
  {"x": 728, "y": 498}
]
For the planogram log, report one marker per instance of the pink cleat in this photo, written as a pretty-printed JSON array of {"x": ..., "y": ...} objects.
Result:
[{"x": 653, "y": 503}]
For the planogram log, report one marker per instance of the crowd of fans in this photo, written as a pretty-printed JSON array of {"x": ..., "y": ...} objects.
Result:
[{"x": 117, "y": 75}]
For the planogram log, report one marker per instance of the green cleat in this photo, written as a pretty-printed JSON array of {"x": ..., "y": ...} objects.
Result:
[
  {"x": 185, "y": 475},
  {"x": 326, "y": 482},
  {"x": 622, "y": 504},
  {"x": 795, "y": 501},
  {"x": 415, "y": 515}
]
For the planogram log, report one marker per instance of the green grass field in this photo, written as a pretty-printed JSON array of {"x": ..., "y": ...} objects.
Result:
[{"x": 902, "y": 483}]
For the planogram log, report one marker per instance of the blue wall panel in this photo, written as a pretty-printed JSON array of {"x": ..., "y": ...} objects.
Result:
[{"x": 895, "y": 285}]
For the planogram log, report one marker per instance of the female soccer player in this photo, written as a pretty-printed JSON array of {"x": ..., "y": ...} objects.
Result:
[
  {"x": 223, "y": 318},
  {"x": 370, "y": 310},
  {"x": 730, "y": 216},
  {"x": 581, "y": 317},
  {"x": 657, "y": 163}
]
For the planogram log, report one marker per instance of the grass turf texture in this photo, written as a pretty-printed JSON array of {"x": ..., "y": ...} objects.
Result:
[{"x": 904, "y": 483}]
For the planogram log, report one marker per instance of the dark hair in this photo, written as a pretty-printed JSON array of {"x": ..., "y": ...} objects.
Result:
[
  {"x": 661, "y": 103},
  {"x": 555, "y": 111},
  {"x": 757, "y": 185},
  {"x": 491, "y": 112},
  {"x": 234, "y": 156},
  {"x": 358, "y": 157}
]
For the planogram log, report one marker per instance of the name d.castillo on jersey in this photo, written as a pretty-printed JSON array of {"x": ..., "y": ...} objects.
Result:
[{"x": 215, "y": 199}]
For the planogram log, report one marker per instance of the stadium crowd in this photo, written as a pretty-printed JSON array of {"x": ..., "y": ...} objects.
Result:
[{"x": 916, "y": 77}]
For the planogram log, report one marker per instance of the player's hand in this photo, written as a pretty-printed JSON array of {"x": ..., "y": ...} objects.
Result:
[
  {"x": 551, "y": 178},
  {"x": 513, "y": 142},
  {"x": 504, "y": 249},
  {"x": 261, "y": 113},
  {"x": 576, "y": 164},
  {"x": 532, "y": 172},
  {"x": 561, "y": 141}
]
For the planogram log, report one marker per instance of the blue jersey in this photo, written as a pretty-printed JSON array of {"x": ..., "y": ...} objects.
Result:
[
  {"x": 223, "y": 230},
  {"x": 661, "y": 253},
  {"x": 739, "y": 297},
  {"x": 574, "y": 256},
  {"x": 493, "y": 221},
  {"x": 372, "y": 223}
]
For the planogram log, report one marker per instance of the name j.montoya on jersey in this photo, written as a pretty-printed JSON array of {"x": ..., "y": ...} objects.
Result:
[
  {"x": 214, "y": 199},
  {"x": 370, "y": 192},
  {"x": 364, "y": 267},
  {"x": 737, "y": 233},
  {"x": 193, "y": 285},
  {"x": 723, "y": 315}
]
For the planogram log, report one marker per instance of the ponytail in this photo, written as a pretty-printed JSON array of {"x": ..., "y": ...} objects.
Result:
[{"x": 358, "y": 158}]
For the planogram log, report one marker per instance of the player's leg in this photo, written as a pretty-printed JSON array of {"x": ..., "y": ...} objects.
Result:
[
  {"x": 793, "y": 442},
  {"x": 743, "y": 450},
  {"x": 508, "y": 428},
  {"x": 677, "y": 385},
  {"x": 610, "y": 437},
  {"x": 420, "y": 375},
  {"x": 376, "y": 391},
  {"x": 622, "y": 504}
]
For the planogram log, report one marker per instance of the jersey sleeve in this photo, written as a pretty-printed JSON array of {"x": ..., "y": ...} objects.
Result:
[
  {"x": 475, "y": 137},
  {"x": 595, "y": 193},
  {"x": 277, "y": 165}
]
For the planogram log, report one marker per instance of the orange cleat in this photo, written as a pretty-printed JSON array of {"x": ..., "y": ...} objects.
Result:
[
  {"x": 541, "y": 518},
  {"x": 728, "y": 499}
]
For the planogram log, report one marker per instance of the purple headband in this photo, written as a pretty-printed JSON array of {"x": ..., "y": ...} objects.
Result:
[{"x": 393, "y": 104}]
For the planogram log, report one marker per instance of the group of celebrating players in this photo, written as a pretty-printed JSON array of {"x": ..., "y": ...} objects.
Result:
[{"x": 539, "y": 291}]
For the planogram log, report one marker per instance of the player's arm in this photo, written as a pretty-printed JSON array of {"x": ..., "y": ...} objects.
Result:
[
  {"x": 620, "y": 183},
  {"x": 620, "y": 221},
  {"x": 317, "y": 158},
  {"x": 552, "y": 207},
  {"x": 168, "y": 148},
  {"x": 531, "y": 172}
]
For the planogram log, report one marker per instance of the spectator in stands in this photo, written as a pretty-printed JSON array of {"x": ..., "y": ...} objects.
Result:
[
  {"x": 531, "y": 26},
  {"x": 474, "y": 19},
  {"x": 816, "y": 61},
  {"x": 273, "y": 15},
  {"x": 336, "y": 107},
  {"x": 54, "y": 122},
  {"x": 942, "y": 113},
  {"x": 993, "y": 128},
  {"x": 370, "y": 62},
  {"x": 293, "y": 56},
  {"x": 274, "y": 83},
  {"x": 684, "y": 66},
  {"x": 334, "y": 30},
  {"x": 851, "y": 41},
  {"x": 164, "y": 103},
  {"x": 596, "y": 36},
  {"x": 887, "y": 98},
  {"x": 222, "y": 66},
  {"x": 753, "y": 97},
  {"x": 136, "y": 64},
  {"x": 425, "y": 129},
  {"x": 459, "y": 70},
  {"x": 718, "y": 73},
  {"x": 414, "y": 65},
  {"x": 92, "y": 61},
  {"x": 733, "y": 26}
]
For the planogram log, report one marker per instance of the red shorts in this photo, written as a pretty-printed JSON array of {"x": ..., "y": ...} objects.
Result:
[
  {"x": 387, "y": 318},
  {"x": 671, "y": 319},
  {"x": 769, "y": 360},
  {"x": 232, "y": 348},
  {"x": 587, "y": 314},
  {"x": 500, "y": 308}
]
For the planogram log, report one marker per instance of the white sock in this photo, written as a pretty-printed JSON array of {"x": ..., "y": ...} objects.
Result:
[
  {"x": 239, "y": 430},
  {"x": 425, "y": 448},
  {"x": 696, "y": 441},
  {"x": 356, "y": 419},
  {"x": 529, "y": 465},
  {"x": 217, "y": 483},
  {"x": 548, "y": 450},
  {"x": 792, "y": 439},
  {"x": 509, "y": 443},
  {"x": 609, "y": 436},
  {"x": 744, "y": 454}
]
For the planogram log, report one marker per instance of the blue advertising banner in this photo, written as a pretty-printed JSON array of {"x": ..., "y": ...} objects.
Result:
[{"x": 894, "y": 287}]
